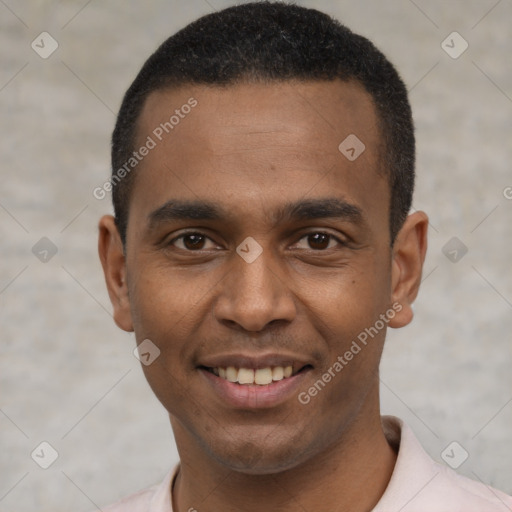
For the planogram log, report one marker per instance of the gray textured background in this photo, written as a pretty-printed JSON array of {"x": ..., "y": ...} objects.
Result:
[{"x": 68, "y": 375}]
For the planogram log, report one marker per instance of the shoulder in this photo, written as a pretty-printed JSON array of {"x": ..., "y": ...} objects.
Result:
[
  {"x": 137, "y": 502},
  {"x": 153, "y": 499},
  {"x": 418, "y": 483},
  {"x": 462, "y": 493}
]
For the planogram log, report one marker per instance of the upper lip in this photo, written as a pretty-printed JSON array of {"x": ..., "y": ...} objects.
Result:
[{"x": 255, "y": 361}]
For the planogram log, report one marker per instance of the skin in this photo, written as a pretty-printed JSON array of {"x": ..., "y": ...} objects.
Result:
[{"x": 251, "y": 148}]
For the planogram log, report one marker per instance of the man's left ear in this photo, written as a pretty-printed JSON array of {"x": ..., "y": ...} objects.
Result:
[{"x": 408, "y": 256}]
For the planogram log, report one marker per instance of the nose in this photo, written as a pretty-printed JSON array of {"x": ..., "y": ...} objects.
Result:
[{"x": 254, "y": 294}]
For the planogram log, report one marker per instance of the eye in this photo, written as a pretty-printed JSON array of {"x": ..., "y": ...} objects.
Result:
[
  {"x": 190, "y": 241},
  {"x": 194, "y": 241},
  {"x": 321, "y": 241}
]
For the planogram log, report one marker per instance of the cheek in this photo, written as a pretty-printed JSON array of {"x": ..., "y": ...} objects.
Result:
[
  {"x": 165, "y": 301},
  {"x": 347, "y": 312},
  {"x": 349, "y": 299},
  {"x": 169, "y": 384},
  {"x": 164, "y": 311}
]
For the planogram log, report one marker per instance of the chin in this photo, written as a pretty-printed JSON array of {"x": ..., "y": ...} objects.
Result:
[
  {"x": 258, "y": 457},
  {"x": 267, "y": 466}
]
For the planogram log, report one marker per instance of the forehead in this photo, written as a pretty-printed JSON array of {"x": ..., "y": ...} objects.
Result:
[
  {"x": 309, "y": 109},
  {"x": 258, "y": 144}
]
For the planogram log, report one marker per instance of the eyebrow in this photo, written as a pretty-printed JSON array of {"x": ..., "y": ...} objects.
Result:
[{"x": 308, "y": 209}]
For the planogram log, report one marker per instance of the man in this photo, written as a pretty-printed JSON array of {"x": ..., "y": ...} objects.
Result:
[{"x": 262, "y": 175}]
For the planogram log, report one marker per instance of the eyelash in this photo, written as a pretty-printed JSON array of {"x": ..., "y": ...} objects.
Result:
[{"x": 331, "y": 237}]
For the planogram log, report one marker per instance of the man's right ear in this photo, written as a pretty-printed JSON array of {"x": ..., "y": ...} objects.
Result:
[{"x": 113, "y": 261}]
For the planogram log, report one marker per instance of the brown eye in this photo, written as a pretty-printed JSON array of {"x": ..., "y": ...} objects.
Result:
[
  {"x": 190, "y": 241},
  {"x": 320, "y": 241},
  {"x": 193, "y": 241}
]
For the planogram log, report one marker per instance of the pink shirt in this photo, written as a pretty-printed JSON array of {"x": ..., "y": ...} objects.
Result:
[{"x": 418, "y": 484}]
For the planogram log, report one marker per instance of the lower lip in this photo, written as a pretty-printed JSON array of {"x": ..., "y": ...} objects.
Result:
[{"x": 254, "y": 396}]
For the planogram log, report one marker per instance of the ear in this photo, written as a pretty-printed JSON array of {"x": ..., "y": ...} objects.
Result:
[
  {"x": 113, "y": 261},
  {"x": 409, "y": 252}
]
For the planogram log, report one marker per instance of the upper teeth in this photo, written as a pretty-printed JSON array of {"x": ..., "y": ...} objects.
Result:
[{"x": 261, "y": 376}]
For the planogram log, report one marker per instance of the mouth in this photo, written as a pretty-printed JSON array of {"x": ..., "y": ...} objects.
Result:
[
  {"x": 255, "y": 376},
  {"x": 249, "y": 383}
]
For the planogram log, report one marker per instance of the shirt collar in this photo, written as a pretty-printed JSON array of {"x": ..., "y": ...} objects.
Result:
[
  {"x": 413, "y": 467},
  {"x": 162, "y": 499}
]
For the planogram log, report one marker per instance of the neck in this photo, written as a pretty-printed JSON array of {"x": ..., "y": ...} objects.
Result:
[{"x": 352, "y": 474}]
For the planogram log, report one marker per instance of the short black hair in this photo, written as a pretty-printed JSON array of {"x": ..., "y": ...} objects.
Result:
[{"x": 270, "y": 42}]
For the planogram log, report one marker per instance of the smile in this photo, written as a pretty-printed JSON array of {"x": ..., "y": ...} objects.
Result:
[
  {"x": 250, "y": 376},
  {"x": 254, "y": 381}
]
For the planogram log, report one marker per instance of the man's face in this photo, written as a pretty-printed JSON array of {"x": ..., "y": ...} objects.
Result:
[{"x": 265, "y": 160}]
